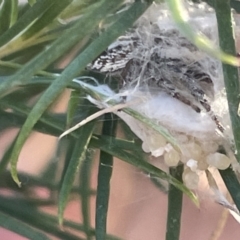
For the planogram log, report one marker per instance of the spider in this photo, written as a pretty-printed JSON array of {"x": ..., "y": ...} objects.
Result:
[{"x": 162, "y": 60}]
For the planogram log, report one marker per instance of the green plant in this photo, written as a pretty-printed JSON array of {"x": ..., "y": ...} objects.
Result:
[{"x": 33, "y": 38}]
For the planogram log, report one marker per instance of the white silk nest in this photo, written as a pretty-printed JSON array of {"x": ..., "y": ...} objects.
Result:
[
  {"x": 195, "y": 133},
  {"x": 181, "y": 120}
]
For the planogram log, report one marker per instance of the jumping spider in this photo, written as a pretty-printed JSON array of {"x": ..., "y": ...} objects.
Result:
[{"x": 162, "y": 60}]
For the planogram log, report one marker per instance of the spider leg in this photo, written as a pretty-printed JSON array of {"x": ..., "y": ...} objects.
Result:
[
  {"x": 168, "y": 87},
  {"x": 208, "y": 109},
  {"x": 198, "y": 95}
]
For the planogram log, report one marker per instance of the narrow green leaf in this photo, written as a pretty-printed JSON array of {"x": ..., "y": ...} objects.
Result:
[
  {"x": 47, "y": 17},
  {"x": 174, "y": 206},
  {"x": 105, "y": 168},
  {"x": 14, "y": 65},
  {"x": 73, "y": 103},
  {"x": 71, "y": 142},
  {"x": 21, "y": 228},
  {"x": 8, "y": 14},
  {"x": 235, "y": 4},
  {"x": 232, "y": 184},
  {"x": 79, "y": 154},
  {"x": 14, "y": 12},
  {"x": 143, "y": 165},
  {"x": 230, "y": 73},
  {"x": 88, "y": 55},
  {"x": 26, "y": 20},
  {"x": 85, "y": 189}
]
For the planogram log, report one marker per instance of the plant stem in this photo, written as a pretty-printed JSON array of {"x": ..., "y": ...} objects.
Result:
[
  {"x": 104, "y": 177},
  {"x": 231, "y": 80},
  {"x": 174, "y": 206}
]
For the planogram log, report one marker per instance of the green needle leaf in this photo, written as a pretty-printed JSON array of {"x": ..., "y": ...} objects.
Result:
[
  {"x": 230, "y": 73},
  {"x": 85, "y": 191},
  {"x": 78, "y": 156},
  {"x": 105, "y": 168},
  {"x": 8, "y": 14},
  {"x": 174, "y": 206}
]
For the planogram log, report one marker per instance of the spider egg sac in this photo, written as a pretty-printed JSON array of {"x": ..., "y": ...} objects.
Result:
[
  {"x": 171, "y": 158},
  {"x": 192, "y": 150},
  {"x": 190, "y": 178},
  {"x": 218, "y": 160}
]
